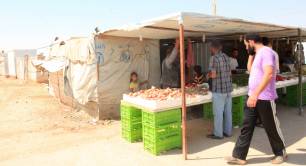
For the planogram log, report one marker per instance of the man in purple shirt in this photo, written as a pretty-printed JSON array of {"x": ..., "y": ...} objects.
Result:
[{"x": 260, "y": 103}]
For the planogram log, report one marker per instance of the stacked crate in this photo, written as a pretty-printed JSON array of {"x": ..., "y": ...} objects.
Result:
[
  {"x": 131, "y": 123},
  {"x": 237, "y": 110},
  {"x": 161, "y": 130},
  {"x": 292, "y": 97},
  {"x": 208, "y": 111},
  {"x": 240, "y": 79}
]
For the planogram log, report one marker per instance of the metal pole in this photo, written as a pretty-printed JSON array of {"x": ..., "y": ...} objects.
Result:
[
  {"x": 214, "y": 7},
  {"x": 182, "y": 60},
  {"x": 299, "y": 47}
]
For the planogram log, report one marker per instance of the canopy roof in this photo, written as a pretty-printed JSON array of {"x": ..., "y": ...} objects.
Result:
[{"x": 197, "y": 24}]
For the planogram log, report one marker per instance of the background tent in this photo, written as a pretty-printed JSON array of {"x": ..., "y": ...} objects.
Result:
[{"x": 17, "y": 63}]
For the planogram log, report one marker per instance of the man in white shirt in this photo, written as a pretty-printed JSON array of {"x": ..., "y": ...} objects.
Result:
[
  {"x": 170, "y": 68},
  {"x": 233, "y": 59}
]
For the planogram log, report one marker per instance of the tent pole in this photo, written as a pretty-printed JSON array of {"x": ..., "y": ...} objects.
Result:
[
  {"x": 182, "y": 60},
  {"x": 299, "y": 44}
]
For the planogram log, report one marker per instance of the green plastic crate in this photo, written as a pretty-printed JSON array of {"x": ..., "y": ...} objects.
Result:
[
  {"x": 128, "y": 125},
  {"x": 208, "y": 111},
  {"x": 237, "y": 110},
  {"x": 161, "y": 118},
  {"x": 129, "y": 112},
  {"x": 158, "y": 146},
  {"x": 161, "y": 131},
  {"x": 131, "y": 123},
  {"x": 132, "y": 135},
  {"x": 292, "y": 98},
  {"x": 131, "y": 131}
]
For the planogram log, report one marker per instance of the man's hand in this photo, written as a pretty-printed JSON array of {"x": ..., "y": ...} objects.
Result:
[
  {"x": 246, "y": 44},
  {"x": 252, "y": 100},
  {"x": 212, "y": 74}
]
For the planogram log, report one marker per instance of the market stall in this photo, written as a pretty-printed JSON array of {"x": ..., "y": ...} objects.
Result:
[{"x": 156, "y": 136}]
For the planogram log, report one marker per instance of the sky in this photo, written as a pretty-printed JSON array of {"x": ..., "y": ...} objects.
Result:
[{"x": 29, "y": 24}]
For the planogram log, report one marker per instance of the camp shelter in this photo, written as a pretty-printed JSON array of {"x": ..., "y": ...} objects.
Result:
[
  {"x": 53, "y": 62},
  {"x": 80, "y": 74},
  {"x": 72, "y": 73},
  {"x": 205, "y": 27},
  {"x": 17, "y": 63},
  {"x": 2, "y": 63}
]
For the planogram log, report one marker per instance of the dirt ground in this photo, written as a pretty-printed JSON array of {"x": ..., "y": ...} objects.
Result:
[{"x": 36, "y": 130}]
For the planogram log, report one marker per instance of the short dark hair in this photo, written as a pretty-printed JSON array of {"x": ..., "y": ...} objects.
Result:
[
  {"x": 197, "y": 69},
  {"x": 216, "y": 44},
  {"x": 265, "y": 41},
  {"x": 255, "y": 37},
  {"x": 235, "y": 49}
]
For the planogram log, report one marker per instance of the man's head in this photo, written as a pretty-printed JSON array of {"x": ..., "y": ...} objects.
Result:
[
  {"x": 266, "y": 42},
  {"x": 253, "y": 40},
  {"x": 215, "y": 47},
  {"x": 235, "y": 53}
]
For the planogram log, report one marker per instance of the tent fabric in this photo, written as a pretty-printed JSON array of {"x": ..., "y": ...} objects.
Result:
[
  {"x": 81, "y": 82},
  {"x": 55, "y": 61},
  {"x": 2, "y": 64},
  {"x": 78, "y": 61},
  {"x": 53, "y": 65},
  {"x": 118, "y": 57},
  {"x": 196, "y": 24},
  {"x": 81, "y": 49}
]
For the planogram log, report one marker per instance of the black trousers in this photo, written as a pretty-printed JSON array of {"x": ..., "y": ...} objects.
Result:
[{"x": 266, "y": 110}]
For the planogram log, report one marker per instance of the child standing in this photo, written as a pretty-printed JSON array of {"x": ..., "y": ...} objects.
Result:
[{"x": 134, "y": 83}]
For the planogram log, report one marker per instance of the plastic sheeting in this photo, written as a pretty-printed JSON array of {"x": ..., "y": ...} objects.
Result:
[
  {"x": 81, "y": 82},
  {"x": 81, "y": 49},
  {"x": 56, "y": 60},
  {"x": 118, "y": 57},
  {"x": 53, "y": 65}
]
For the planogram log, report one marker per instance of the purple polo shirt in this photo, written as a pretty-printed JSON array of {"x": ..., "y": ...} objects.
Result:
[{"x": 264, "y": 57}]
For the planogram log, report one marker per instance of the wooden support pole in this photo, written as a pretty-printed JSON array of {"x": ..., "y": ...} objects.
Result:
[
  {"x": 182, "y": 60},
  {"x": 299, "y": 51}
]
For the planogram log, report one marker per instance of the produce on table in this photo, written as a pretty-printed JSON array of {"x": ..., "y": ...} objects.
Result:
[
  {"x": 169, "y": 93},
  {"x": 280, "y": 78},
  {"x": 283, "y": 78}
]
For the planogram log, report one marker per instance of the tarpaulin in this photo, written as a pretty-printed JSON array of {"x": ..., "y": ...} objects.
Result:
[
  {"x": 118, "y": 57},
  {"x": 81, "y": 82},
  {"x": 81, "y": 49}
]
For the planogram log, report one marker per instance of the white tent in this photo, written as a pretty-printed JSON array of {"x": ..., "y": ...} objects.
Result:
[{"x": 197, "y": 25}]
